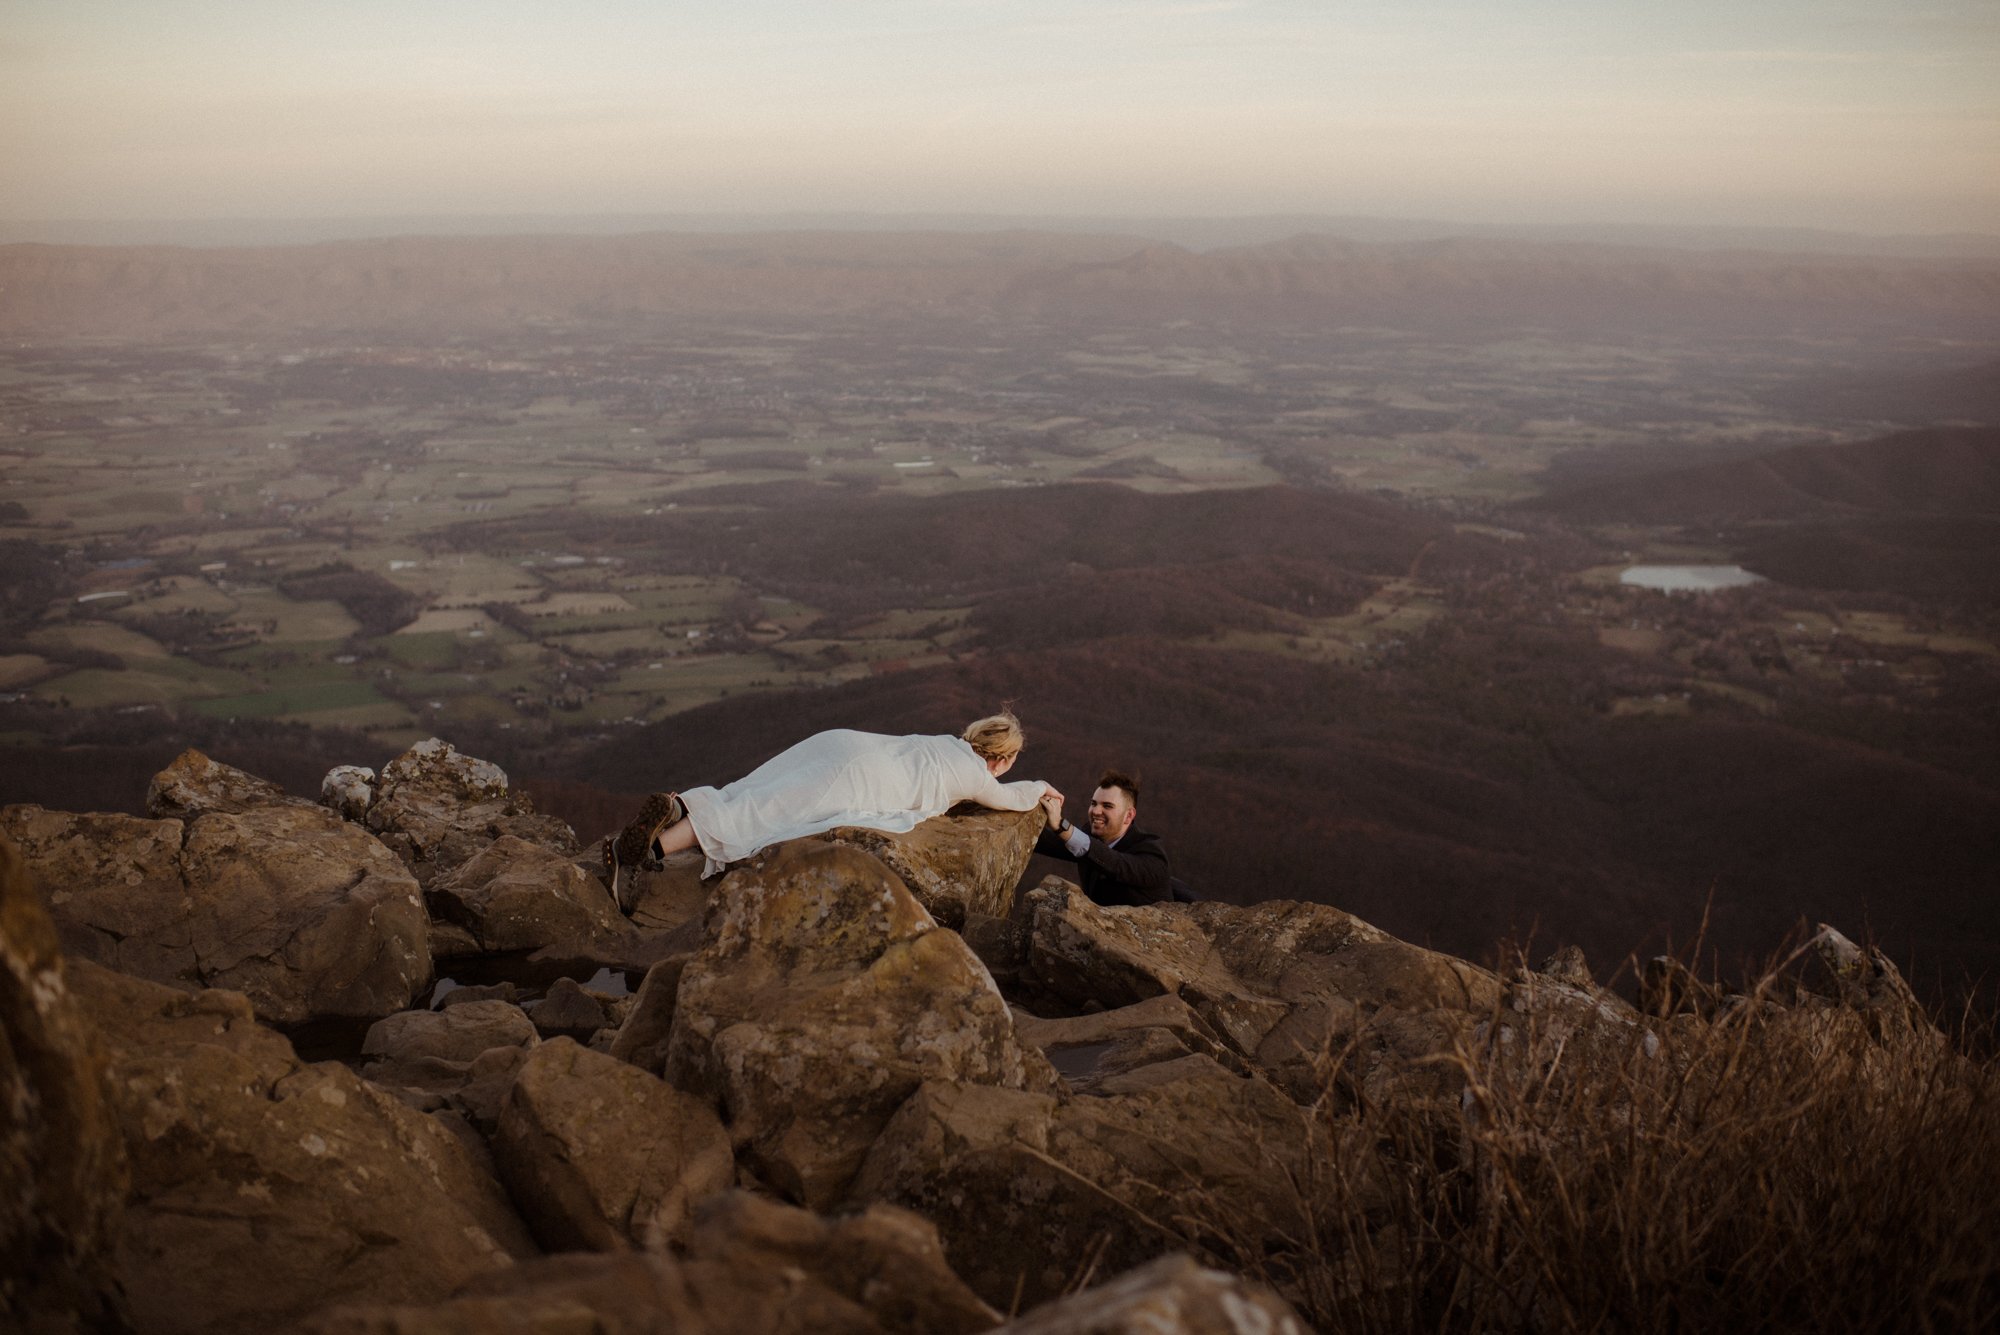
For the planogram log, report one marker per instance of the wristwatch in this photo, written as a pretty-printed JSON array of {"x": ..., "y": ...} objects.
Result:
[{"x": 1064, "y": 828}]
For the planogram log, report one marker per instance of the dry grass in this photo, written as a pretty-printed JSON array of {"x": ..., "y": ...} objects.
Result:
[{"x": 1770, "y": 1169}]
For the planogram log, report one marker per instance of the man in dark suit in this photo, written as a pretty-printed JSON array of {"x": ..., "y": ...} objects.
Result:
[{"x": 1115, "y": 864}]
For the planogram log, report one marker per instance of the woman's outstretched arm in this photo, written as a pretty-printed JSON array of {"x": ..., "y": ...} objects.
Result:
[{"x": 1022, "y": 795}]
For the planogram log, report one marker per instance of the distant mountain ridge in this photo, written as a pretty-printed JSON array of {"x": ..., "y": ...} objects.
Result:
[
  {"x": 1196, "y": 232},
  {"x": 470, "y": 283},
  {"x": 1953, "y": 471}
]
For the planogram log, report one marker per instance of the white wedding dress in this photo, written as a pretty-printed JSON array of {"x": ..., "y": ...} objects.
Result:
[{"x": 845, "y": 777}]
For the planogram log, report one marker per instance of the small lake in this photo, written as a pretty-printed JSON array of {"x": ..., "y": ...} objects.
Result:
[{"x": 1688, "y": 579}]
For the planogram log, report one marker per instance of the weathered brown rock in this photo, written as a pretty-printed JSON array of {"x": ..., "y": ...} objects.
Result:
[
  {"x": 751, "y": 1266},
  {"x": 1081, "y": 952},
  {"x": 194, "y": 785},
  {"x": 885, "y": 1260},
  {"x": 642, "y": 1039},
  {"x": 603, "y": 1156},
  {"x": 824, "y": 997},
  {"x": 1172, "y": 1296},
  {"x": 517, "y": 895},
  {"x": 1867, "y": 982},
  {"x": 1087, "y": 1050},
  {"x": 1266, "y": 944},
  {"x": 1024, "y": 1188},
  {"x": 456, "y": 1033},
  {"x": 1296, "y": 989},
  {"x": 433, "y": 1051},
  {"x": 966, "y": 861},
  {"x": 465, "y": 994},
  {"x": 113, "y": 886},
  {"x": 263, "y": 1187},
  {"x": 306, "y": 915},
  {"x": 348, "y": 790},
  {"x": 449, "y": 941},
  {"x": 567, "y": 1011},
  {"x": 1380, "y": 1008},
  {"x": 488, "y": 1082},
  {"x": 63, "y": 1173},
  {"x": 437, "y": 808}
]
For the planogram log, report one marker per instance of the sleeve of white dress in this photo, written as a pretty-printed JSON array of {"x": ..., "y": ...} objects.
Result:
[{"x": 1018, "y": 796}]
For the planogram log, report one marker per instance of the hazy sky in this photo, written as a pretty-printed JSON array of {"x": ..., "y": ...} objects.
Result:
[{"x": 1879, "y": 115}]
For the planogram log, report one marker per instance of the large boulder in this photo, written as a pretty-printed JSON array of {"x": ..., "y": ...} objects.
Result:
[
  {"x": 437, "y": 808},
  {"x": 262, "y": 1186},
  {"x": 603, "y": 1156},
  {"x": 1027, "y": 1188},
  {"x": 307, "y": 916},
  {"x": 966, "y": 861},
  {"x": 1299, "y": 991},
  {"x": 1381, "y": 1009},
  {"x": 432, "y": 1052},
  {"x": 517, "y": 895},
  {"x": 114, "y": 887},
  {"x": 63, "y": 1172},
  {"x": 824, "y": 997},
  {"x": 194, "y": 785},
  {"x": 1082, "y": 953},
  {"x": 750, "y": 1265},
  {"x": 1172, "y": 1296}
]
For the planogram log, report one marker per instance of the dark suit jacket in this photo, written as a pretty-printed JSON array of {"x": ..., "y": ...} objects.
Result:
[{"x": 1135, "y": 872}]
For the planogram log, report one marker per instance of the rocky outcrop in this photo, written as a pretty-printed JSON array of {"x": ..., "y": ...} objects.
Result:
[
  {"x": 517, "y": 895},
  {"x": 1286, "y": 986},
  {"x": 1867, "y": 984},
  {"x": 1173, "y": 1294},
  {"x": 305, "y": 915},
  {"x": 194, "y": 785},
  {"x": 264, "y": 1187},
  {"x": 750, "y": 1265},
  {"x": 63, "y": 1173},
  {"x": 1080, "y": 953},
  {"x": 436, "y": 808},
  {"x": 1108, "y": 1046},
  {"x": 967, "y": 863},
  {"x": 1025, "y": 1187},
  {"x": 1236, "y": 1083},
  {"x": 824, "y": 997},
  {"x": 114, "y": 887},
  {"x": 603, "y": 1156}
]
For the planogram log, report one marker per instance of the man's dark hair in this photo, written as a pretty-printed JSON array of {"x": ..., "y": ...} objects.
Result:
[{"x": 1116, "y": 778}]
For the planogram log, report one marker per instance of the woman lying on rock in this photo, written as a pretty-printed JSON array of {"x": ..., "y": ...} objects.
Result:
[{"x": 833, "y": 778}]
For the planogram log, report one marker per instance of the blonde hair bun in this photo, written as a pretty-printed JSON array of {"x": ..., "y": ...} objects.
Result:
[{"x": 996, "y": 737}]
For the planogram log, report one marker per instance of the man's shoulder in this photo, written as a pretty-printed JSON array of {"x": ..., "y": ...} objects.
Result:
[{"x": 1140, "y": 841}]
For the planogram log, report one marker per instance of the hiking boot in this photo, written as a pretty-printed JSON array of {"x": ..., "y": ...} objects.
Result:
[{"x": 633, "y": 845}]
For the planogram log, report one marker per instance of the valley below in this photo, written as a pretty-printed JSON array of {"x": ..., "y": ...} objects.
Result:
[{"x": 1329, "y": 551}]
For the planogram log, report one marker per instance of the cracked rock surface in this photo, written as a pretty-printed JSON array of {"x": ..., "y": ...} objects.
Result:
[{"x": 304, "y": 914}]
